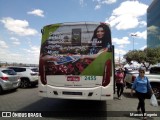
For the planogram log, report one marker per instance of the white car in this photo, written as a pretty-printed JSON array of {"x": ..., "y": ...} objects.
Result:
[
  {"x": 28, "y": 75},
  {"x": 8, "y": 79},
  {"x": 154, "y": 80}
]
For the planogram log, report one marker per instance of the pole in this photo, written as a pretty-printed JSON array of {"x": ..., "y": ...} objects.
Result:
[
  {"x": 119, "y": 59},
  {"x": 133, "y": 35},
  {"x": 133, "y": 43}
]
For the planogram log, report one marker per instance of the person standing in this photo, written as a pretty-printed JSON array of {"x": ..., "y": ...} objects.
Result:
[
  {"x": 120, "y": 83},
  {"x": 125, "y": 71},
  {"x": 141, "y": 85}
]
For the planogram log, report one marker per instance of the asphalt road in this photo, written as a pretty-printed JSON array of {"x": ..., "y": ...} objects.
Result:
[{"x": 26, "y": 101}]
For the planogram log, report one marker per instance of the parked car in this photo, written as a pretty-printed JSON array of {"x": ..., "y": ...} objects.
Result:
[
  {"x": 8, "y": 79},
  {"x": 153, "y": 78},
  {"x": 155, "y": 70},
  {"x": 28, "y": 75}
]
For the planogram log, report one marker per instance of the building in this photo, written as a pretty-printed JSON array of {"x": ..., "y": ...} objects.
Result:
[{"x": 153, "y": 24}]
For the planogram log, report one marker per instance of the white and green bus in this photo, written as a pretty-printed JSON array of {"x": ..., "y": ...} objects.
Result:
[{"x": 76, "y": 61}]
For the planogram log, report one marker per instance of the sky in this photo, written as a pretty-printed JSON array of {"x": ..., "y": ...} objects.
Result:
[{"x": 21, "y": 22}]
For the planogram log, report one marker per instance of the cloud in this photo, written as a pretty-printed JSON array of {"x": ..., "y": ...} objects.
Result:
[
  {"x": 3, "y": 44},
  {"x": 9, "y": 52},
  {"x": 142, "y": 34},
  {"x": 123, "y": 41},
  {"x": 37, "y": 12},
  {"x": 124, "y": 22},
  {"x": 108, "y": 1},
  {"x": 153, "y": 30},
  {"x": 19, "y": 27},
  {"x": 32, "y": 54},
  {"x": 120, "y": 51},
  {"x": 81, "y": 2},
  {"x": 143, "y": 23},
  {"x": 121, "y": 46},
  {"x": 34, "y": 50},
  {"x": 101, "y": 2},
  {"x": 15, "y": 41},
  {"x": 127, "y": 15},
  {"x": 98, "y": 7},
  {"x": 29, "y": 56},
  {"x": 142, "y": 48},
  {"x": 119, "y": 54}
]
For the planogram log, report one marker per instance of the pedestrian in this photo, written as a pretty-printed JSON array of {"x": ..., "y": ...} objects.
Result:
[
  {"x": 125, "y": 71},
  {"x": 141, "y": 85},
  {"x": 120, "y": 83}
]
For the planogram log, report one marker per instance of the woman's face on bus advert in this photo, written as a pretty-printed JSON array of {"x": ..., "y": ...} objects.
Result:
[{"x": 100, "y": 32}]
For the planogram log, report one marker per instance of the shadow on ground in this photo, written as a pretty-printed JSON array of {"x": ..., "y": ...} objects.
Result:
[{"x": 67, "y": 108}]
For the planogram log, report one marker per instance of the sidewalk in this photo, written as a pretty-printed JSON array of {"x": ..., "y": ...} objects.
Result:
[{"x": 127, "y": 107}]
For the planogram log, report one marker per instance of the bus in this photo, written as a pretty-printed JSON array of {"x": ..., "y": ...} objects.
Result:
[{"x": 76, "y": 61}]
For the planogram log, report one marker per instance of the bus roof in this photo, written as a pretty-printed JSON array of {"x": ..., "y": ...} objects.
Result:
[{"x": 76, "y": 23}]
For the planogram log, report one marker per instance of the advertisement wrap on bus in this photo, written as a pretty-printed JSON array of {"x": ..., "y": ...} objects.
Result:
[{"x": 76, "y": 61}]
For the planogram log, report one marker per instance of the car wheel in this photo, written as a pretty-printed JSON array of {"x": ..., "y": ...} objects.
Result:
[
  {"x": 156, "y": 91},
  {"x": 24, "y": 83}
]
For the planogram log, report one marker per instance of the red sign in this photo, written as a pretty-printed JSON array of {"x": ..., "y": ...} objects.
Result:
[{"x": 73, "y": 78}]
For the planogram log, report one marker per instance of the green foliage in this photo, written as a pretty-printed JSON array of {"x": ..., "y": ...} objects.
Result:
[
  {"x": 136, "y": 55},
  {"x": 148, "y": 55},
  {"x": 152, "y": 55}
]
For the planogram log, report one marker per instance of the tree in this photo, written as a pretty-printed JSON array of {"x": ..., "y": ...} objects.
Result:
[
  {"x": 153, "y": 55},
  {"x": 148, "y": 55}
]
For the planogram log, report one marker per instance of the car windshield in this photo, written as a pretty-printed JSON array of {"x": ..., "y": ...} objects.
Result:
[
  {"x": 35, "y": 69},
  {"x": 9, "y": 72}
]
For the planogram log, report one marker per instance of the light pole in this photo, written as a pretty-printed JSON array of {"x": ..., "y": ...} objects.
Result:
[
  {"x": 133, "y": 35},
  {"x": 119, "y": 58}
]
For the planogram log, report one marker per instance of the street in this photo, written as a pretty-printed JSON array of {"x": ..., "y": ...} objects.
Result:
[{"x": 27, "y": 100}]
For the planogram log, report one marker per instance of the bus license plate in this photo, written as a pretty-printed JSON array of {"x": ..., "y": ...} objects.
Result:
[{"x": 73, "y": 78}]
